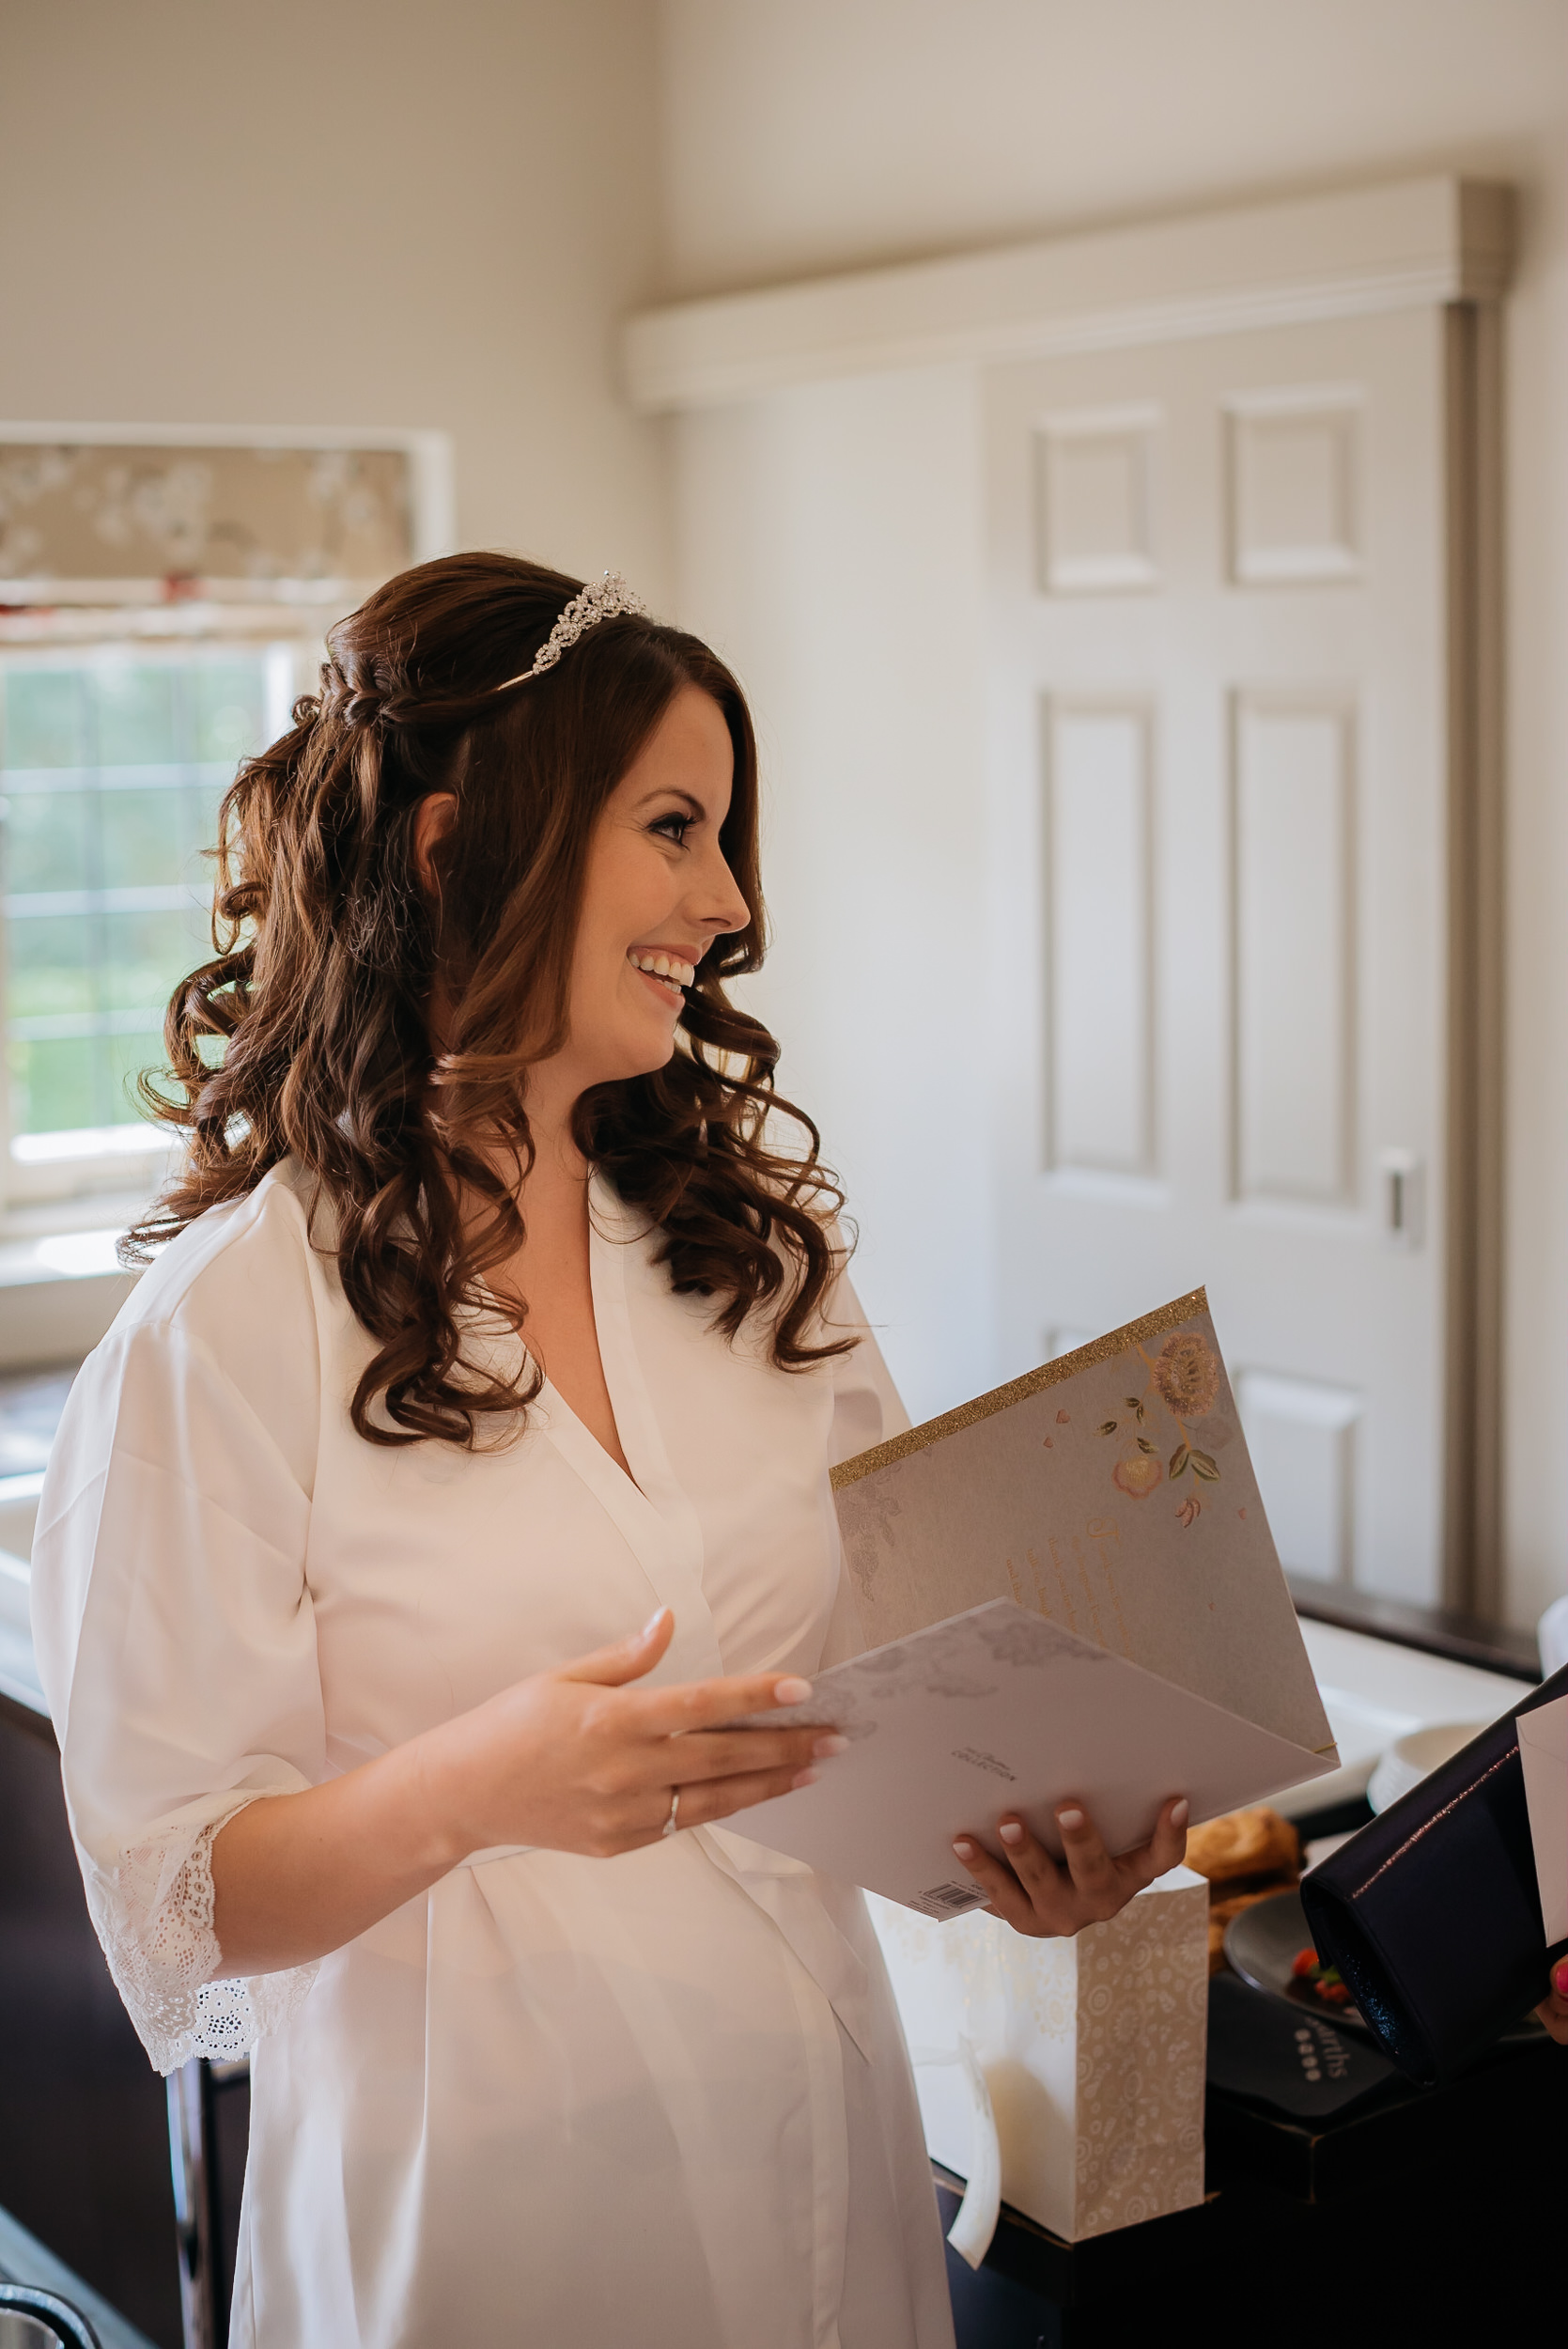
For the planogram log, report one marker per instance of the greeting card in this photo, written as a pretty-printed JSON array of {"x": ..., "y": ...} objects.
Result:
[{"x": 1066, "y": 1587}]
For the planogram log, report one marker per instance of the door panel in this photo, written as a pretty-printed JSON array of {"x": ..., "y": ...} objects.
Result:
[
  {"x": 1294, "y": 1009},
  {"x": 1099, "y": 937}
]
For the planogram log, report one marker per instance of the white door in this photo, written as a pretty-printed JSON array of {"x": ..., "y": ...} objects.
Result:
[{"x": 1222, "y": 656}]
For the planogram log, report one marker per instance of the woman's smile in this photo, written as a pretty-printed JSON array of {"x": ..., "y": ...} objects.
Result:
[{"x": 668, "y": 970}]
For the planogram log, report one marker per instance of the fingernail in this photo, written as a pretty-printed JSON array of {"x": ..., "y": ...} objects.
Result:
[
  {"x": 1178, "y": 1814},
  {"x": 652, "y": 1623},
  {"x": 1072, "y": 1820},
  {"x": 825, "y": 1746},
  {"x": 965, "y": 1850},
  {"x": 804, "y": 1778},
  {"x": 1012, "y": 1832},
  {"x": 1559, "y": 1979},
  {"x": 791, "y": 1692}
]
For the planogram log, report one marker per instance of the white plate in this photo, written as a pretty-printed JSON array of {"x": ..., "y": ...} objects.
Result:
[{"x": 1410, "y": 1759}]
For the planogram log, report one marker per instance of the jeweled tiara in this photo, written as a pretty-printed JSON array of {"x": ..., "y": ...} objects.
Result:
[{"x": 586, "y": 610}]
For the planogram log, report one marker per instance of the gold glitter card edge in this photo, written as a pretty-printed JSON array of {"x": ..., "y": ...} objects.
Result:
[{"x": 1017, "y": 1390}]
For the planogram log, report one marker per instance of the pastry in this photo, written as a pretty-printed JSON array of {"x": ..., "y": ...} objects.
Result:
[{"x": 1257, "y": 1842}]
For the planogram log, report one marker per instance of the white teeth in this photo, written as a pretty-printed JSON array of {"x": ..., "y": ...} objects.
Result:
[{"x": 669, "y": 968}]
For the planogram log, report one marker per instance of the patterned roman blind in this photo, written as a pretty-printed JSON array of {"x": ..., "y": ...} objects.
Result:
[{"x": 102, "y": 521}]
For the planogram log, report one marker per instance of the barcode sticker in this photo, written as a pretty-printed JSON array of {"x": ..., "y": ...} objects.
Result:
[{"x": 949, "y": 1900}]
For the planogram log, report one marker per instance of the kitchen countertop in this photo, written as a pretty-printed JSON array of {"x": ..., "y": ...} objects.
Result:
[{"x": 1376, "y": 1690}]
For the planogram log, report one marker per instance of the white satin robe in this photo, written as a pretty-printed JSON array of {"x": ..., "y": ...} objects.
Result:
[{"x": 655, "y": 2102}]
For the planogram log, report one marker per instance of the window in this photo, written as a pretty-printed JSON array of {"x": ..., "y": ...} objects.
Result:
[
  {"x": 112, "y": 765},
  {"x": 162, "y": 603}
]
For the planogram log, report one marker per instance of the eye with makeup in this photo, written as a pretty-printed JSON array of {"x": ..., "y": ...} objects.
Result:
[{"x": 673, "y": 827}]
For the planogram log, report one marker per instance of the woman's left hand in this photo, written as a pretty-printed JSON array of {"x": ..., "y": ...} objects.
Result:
[{"x": 1038, "y": 1897}]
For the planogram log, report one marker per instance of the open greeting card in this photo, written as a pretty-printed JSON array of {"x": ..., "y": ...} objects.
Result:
[{"x": 1066, "y": 1588}]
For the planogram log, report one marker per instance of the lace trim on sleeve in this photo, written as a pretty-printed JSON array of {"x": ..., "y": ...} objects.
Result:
[{"x": 153, "y": 1915}]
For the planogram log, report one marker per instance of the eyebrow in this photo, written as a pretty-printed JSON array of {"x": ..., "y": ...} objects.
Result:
[{"x": 674, "y": 791}]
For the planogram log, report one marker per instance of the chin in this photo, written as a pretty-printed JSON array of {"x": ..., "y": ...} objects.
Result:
[{"x": 642, "y": 1058}]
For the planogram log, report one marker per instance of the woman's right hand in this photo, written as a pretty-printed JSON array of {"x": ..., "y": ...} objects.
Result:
[{"x": 578, "y": 1759}]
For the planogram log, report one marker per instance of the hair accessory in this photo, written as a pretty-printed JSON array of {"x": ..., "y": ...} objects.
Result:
[{"x": 586, "y": 610}]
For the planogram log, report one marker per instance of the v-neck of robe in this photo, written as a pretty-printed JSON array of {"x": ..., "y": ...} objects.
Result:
[{"x": 650, "y": 1508}]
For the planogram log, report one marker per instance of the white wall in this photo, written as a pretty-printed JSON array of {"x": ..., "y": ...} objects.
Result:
[
  {"x": 861, "y": 788},
  {"x": 807, "y": 135},
  {"x": 348, "y": 213}
]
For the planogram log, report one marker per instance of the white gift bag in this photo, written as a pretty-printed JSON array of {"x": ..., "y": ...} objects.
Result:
[{"x": 1064, "y": 2078}]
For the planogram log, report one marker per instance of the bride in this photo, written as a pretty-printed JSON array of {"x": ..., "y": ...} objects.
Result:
[{"x": 457, "y": 1470}]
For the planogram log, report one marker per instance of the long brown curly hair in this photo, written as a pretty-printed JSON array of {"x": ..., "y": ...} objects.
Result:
[{"x": 309, "y": 1038}]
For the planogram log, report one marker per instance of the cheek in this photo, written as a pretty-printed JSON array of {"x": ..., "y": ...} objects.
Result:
[
  {"x": 646, "y": 897},
  {"x": 629, "y": 897},
  {"x": 630, "y": 890}
]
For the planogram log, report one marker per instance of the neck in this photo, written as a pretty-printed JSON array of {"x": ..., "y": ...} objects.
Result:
[{"x": 551, "y": 1098}]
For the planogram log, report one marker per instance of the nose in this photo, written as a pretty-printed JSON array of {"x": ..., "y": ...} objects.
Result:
[{"x": 723, "y": 908}]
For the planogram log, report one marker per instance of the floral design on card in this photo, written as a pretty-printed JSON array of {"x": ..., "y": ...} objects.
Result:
[
  {"x": 865, "y": 1527},
  {"x": 1185, "y": 1377},
  {"x": 1033, "y": 1640}
]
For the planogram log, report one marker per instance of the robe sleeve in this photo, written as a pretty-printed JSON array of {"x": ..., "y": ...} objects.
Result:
[
  {"x": 175, "y": 1643},
  {"x": 867, "y": 1410},
  {"x": 867, "y": 1406}
]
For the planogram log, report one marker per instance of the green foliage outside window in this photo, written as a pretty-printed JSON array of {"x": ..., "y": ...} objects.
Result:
[{"x": 111, "y": 771}]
